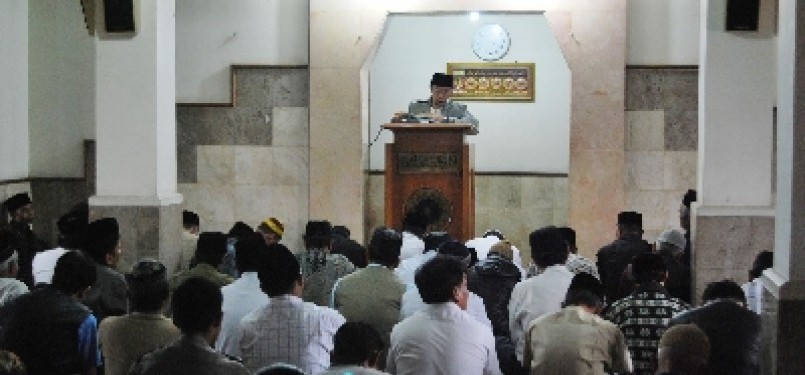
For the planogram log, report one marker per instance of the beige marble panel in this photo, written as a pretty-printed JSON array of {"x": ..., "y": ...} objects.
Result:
[
  {"x": 212, "y": 202},
  {"x": 680, "y": 170},
  {"x": 645, "y": 170},
  {"x": 215, "y": 164},
  {"x": 645, "y": 130},
  {"x": 290, "y": 166},
  {"x": 335, "y": 43},
  {"x": 335, "y": 109},
  {"x": 290, "y": 126},
  {"x": 596, "y": 195},
  {"x": 253, "y": 165}
]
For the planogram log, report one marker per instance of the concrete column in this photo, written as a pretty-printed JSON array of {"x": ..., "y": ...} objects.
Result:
[
  {"x": 734, "y": 218},
  {"x": 784, "y": 296},
  {"x": 136, "y": 132}
]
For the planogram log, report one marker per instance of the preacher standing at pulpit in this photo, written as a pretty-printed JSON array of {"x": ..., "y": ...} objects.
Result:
[{"x": 439, "y": 107}]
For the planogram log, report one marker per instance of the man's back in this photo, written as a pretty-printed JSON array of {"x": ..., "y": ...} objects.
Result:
[
  {"x": 240, "y": 298},
  {"x": 191, "y": 355},
  {"x": 372, "y": 295},
  {"x": 289, "y": 330},
  {"x": 124, "y": 339},
  {"x": 442, "y": 339},
  {"x": 613, "y": 259},
  {"x": 321, "y": 270},
  {"x": 574, "y": 342},
  {"x": 734, "y": 334}
]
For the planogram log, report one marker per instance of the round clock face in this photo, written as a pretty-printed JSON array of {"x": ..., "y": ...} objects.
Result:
[{"x": 491, "y": 42}]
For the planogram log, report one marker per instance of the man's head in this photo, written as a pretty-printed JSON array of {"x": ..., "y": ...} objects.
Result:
[
  {"x": 280, "y": 273},
  {"x": 272, "y": 230},
  {"x": 570, "y": 238},
  {"x": 74, "y": 274},
  {"x": 211, "y": 248},
  {"x": 190, "y": 221},
  {"x": 148, "y": 286},
  {"x": 495, "y": 233},
  {"x": 249, "y": 252},
  {"x": 342, "y": 231},
  {"x": 384, "y": 247},
  {"x": 764, "y": 260},
  {"x": 196, "y": 306},
  {"x": 443, "y": 279},
  {"x": 103, "y": 241},
  {"x": 8, "y": 255},
  {"x": 548, "y": 247},
  {"x": 671, "y": 241},
  {"x": 724, "y": 289},
  {"x": 504, "y": 248},
  {"x": 415, "y": 223},
  {"x": 20, "y": 208},
  {"x": 356, "y": 343},
  {"x": 684, "y": 209},
  {"x": 683, "y": 349},
  {"x": 435, "y": 239},
  {"x": 318, "y": 234},
  {"x": 649, "y": 267},
  {"x": 441, "y": 88},
  {"x": 457, "y": 250},
  {"x": 73, "y": 227},
  {"x": 630, "y": 223},
  {"x": 585, "y": 290}
]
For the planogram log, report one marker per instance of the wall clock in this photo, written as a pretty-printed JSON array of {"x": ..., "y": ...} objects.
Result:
[{"x": 491, "y": 42}]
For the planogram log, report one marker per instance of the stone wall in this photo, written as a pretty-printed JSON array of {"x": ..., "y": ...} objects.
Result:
[{"x": 249, "y": 161}]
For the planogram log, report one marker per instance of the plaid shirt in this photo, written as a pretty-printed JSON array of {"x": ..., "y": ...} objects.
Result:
[{"x": 643, "y": 318}]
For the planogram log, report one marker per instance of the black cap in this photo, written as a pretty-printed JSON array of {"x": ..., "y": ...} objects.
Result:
[
  {"x": 16, "y": 201},
  {"x": 442, "y": 80},
  {"x": 147, "y": 271},
  {"x": 630, "y": 218},
  {"x": 585, "y": 281},
  {"x": 73, "y": 223},
  {"x": 103, "y": 235}
]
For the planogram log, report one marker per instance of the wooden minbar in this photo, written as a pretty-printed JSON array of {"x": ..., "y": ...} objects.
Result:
[{"x": 431, "y": 164}]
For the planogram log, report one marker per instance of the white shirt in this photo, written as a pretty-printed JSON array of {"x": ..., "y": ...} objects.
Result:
[
  {"x": 482, "y": 245},
  {"x": 442, "y": 339},
  {"x": 291, "y": 331},
  {"x": 754, "y": 295},
  {"x": 534, "y": 297},
  {"x": 44, "y": 263},
  {"x": 240, "y": 298},
  {"x": 407, "y": 268},
  {"x": 412, "y": 303},
  {"x": 411, "y": 246},
  {"x": 11, "y": 289}
]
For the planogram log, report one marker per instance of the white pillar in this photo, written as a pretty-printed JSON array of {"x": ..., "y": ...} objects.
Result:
[
  {"x": 734, "y": 218},
  {"x": 14, "y": 146},
  {"x": 136, "y": 130}
]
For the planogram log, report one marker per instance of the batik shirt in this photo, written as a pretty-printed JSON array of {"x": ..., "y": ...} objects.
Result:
[
  {"x": 321, "y": 270},
  {"x": 643, "y": 317}
]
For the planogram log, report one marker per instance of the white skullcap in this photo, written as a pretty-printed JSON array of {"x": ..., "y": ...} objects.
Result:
[{"x": 673, "y": 237}]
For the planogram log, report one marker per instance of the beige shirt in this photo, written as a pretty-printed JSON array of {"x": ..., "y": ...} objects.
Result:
[
  {"x": 372, "y": 295},
  {"x": 124, "y": 339},
  {"x": 575, "y": 342}
]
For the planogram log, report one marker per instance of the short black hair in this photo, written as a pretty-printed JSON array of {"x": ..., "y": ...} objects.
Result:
[
  {"x": 569, "y": 234},
  {"x": 764, "y": 260},
  {"x": 435, "y": 239},
  {"x": 415, "y": 222},
  {"x": 438, "y": 277},
  {"x": 280, "y": 369},
  {"x": 384, "y": 247},
  {"x": 73, "y": 227},
  {"x": 103, "y": 236},
  {"x": 355, "y": 343},
  {"x": 148, "y": 285},
  {"x": 494, "y": 232},
  {"x": 341, "y": 230},
  {"x": 726, "y": 289},
  {"x": 648, "y": 267},
  {"x": 74, "y": 272},
  {"x": 548, "y": 247},
  {"x": 318, "y": 234},
  {"x": 279, "y": 271},
  {"x": 190, "y": 219},
  {"x": 211, "y": 248},
  {"x": 196, "y": 305},
  {"x": 584, "y": 290},
  {"x": 249, "y": 252}
]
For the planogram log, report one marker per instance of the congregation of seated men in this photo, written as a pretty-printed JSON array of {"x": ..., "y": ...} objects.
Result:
[{"x": 412, "y": 301}]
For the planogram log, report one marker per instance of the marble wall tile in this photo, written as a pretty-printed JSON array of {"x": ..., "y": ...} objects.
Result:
[
  {"x": 290, "y": 166},
  {"x": 290, "y": 126},
  {"x": 645, "y": 131},
  {"x": 289, "y": 87},
  {"x": 210, "y": 202},
  {"x": 645, "y": 170},
  {"x": 681, "y": 129},
  {"x": 53, "y": 198},
  {"x": 253, "y": 165},
  {"x": 335, "y": 43},
  {"x": 252, "y": 126},
  {"x": 216, "y": 164},
  {"x": 143, "y": 232},
  {"x": 252, "y": 88},
  {"x": 680, "y": 170}
]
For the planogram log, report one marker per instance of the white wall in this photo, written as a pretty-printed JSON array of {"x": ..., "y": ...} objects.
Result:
[
  {"x": 13, "y": 89},
  {"x": 530, "y": 136},
  {"x": 211, "y": 35},
  {"x": 737, "y": 94},
  {"x": 62, "y": 88},
  {"x": 662, "y": 32}
]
